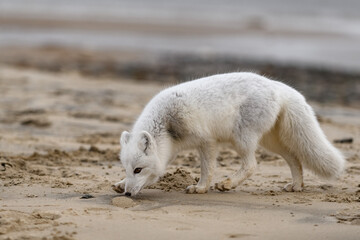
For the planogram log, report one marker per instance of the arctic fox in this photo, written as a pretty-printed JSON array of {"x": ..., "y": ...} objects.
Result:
[{"x": 244, "y": 109}]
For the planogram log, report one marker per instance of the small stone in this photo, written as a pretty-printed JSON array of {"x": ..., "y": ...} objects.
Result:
[
  {"x": 86, "y": 196},
  {"x": 344, "y": 140}
]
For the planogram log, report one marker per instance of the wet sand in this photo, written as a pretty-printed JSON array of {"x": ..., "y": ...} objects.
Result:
[{"x": 59, "y": 134}]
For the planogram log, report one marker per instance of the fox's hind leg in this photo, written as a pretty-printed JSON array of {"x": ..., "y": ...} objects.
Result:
[
  {"x": 271, "y": 142},
  {"x": 296, "y": 172},
  {"x": 208, "y": 154}
]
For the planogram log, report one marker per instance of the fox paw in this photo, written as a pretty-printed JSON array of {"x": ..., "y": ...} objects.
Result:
[
  {"x": 118, "y": 187},
  {"x": 291, "y": 187},
  {"x": 196, "y": 189},
  {"x": 223, "y": 186}
]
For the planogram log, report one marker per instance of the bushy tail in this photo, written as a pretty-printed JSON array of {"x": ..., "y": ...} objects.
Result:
[{"x": 301, "y": 133}]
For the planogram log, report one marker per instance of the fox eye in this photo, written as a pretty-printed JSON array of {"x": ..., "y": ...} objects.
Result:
[{"x": 137, "y": 170}]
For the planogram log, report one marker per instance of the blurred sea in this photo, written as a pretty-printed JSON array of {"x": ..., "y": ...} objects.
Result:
[{"x": 321, "y": 32}]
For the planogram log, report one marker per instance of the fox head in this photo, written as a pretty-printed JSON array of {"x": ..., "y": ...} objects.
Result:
[{"x": 139, "y": 158}]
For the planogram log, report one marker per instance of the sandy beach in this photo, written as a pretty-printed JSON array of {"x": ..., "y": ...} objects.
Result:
[
  {"x": 59, "y": 134},
  {"x": 75, "y": 74}
]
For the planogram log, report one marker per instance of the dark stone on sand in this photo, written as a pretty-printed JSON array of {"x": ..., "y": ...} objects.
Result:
[
  {"x": 344, "y": 140},
  {"x": 87, "y": 196}
]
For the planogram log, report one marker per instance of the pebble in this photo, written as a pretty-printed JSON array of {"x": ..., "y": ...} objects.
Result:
[{"x": 86, "y": 196}]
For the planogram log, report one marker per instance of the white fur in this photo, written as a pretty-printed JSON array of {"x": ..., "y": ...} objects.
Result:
[{"x": 243, "y": 109}]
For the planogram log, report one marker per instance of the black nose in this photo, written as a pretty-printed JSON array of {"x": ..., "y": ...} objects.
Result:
[{"x": 128, "y": 194}]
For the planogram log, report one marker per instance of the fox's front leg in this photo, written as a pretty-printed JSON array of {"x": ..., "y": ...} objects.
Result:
[
  {"x": 207, "y": 165},
  {"x": 119, "y": 187},
  {"x": 249, "y": 164}
]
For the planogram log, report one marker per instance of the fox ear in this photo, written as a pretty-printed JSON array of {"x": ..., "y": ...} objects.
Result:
[
  {"x": 146, "y": 142},
  {"x": 124, "y": 139}
]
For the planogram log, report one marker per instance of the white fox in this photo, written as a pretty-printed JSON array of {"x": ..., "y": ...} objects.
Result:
[{"x": 243, "y": 109}]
